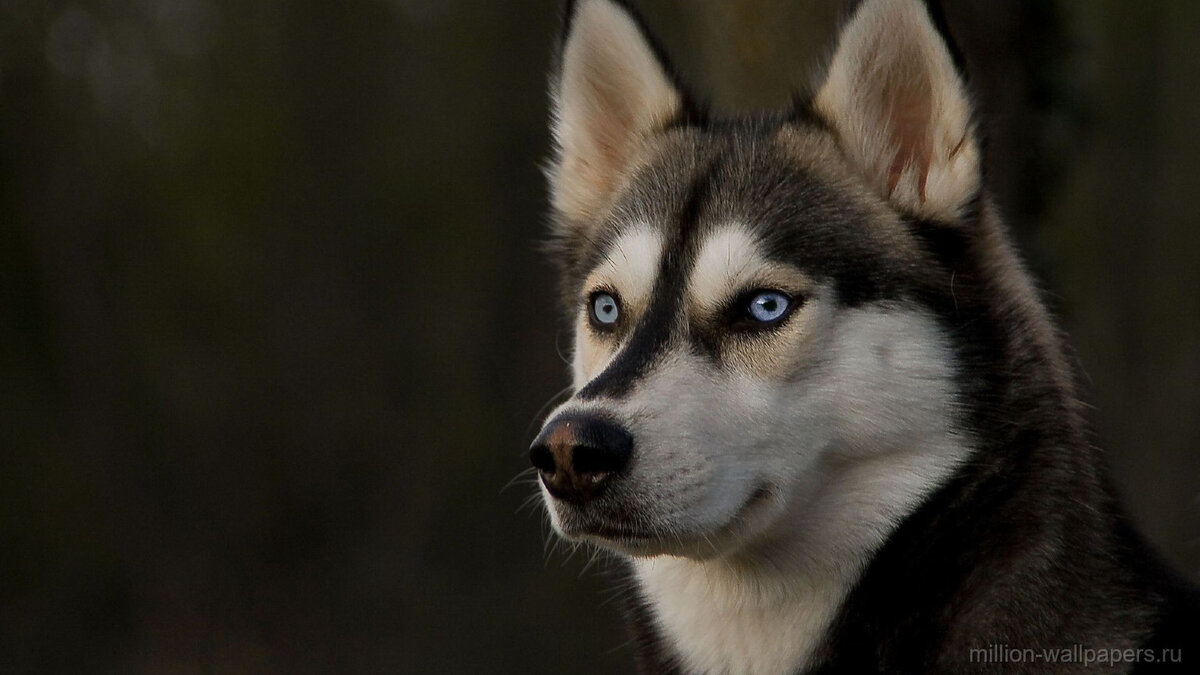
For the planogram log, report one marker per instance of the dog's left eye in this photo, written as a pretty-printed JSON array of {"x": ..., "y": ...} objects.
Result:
[
  {"x": 768, "y": 306},
  {"x": 605, "y": 310}
]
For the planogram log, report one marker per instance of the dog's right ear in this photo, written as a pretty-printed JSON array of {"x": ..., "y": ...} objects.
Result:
[{"x": 611, "y": 92}]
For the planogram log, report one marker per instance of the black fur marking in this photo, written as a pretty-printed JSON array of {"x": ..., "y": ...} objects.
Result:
[
  {"x": 649, "y": 339},
  {"x": 653, "y": 332},
  {"x": 946, "y": 244},
  {"x": 804, "y": 113},
  {"x": 806, "y": 223}
]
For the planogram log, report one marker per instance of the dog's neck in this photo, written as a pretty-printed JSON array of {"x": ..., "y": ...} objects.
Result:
[{"x": 767, "y": 607}]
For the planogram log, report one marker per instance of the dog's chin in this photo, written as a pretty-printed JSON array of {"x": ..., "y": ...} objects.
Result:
[{"x": 726, "y": 535}]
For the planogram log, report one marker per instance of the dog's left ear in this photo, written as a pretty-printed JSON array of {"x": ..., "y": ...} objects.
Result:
[
  {"x": 900, "y": 109},
  {"x": 610, "y": 94}
]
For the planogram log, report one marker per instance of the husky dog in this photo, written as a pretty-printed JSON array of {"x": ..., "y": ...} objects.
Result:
[{"x": 819, "y": 409}]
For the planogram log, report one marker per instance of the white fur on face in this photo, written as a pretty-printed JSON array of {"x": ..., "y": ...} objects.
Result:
[
  {"x": 611, "y": 93},
  {"x": 630, "y": 266},
  {"x": 900, "y": 109},
  {"x": 848, "y": 449},
  {"x": 729, "y": 259}
]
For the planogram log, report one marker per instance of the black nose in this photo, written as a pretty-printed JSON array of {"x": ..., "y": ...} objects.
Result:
[{"x": 578, "y": 454}]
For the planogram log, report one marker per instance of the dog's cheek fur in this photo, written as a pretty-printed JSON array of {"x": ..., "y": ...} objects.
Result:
[
  {"x": 871, "y": 381},
  {"x": 850, "y": 445}
]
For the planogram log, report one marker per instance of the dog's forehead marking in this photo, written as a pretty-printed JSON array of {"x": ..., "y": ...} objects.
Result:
[
  {"x": 729, "y": 257},
  {"x": 630, "y": 264}
]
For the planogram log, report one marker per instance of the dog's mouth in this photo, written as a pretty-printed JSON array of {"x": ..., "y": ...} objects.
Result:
[{"x": 623, "y": 533}]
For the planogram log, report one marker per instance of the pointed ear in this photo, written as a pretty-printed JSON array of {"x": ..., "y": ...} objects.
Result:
[
  {"x": 610, "y": 93},
  {"x": 900, "y": 108}
]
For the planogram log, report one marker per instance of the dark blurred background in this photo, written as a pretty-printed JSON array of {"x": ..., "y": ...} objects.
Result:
[{"x": 274, "y": 330}]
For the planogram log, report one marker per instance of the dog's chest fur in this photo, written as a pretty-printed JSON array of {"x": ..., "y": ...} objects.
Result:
[{"x": 716, "y": 622}]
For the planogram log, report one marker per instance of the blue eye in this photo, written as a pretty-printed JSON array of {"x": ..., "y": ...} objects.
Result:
[
  {"x": 768, "y": 306},
  {"x": 605, "y": 310}
]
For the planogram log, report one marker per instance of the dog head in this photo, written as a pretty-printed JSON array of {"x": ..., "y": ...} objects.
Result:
[{"x": 754, "y": 310}]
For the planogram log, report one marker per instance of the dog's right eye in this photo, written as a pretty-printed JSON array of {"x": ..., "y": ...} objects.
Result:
[
  {"x": 760, "y": 309},
  {"x": 768, "y": 306},
  {"x": 605, "y": 310}
]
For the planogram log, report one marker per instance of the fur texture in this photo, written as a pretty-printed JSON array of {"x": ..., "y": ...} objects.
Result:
[{"x": 891, "y": 472}]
